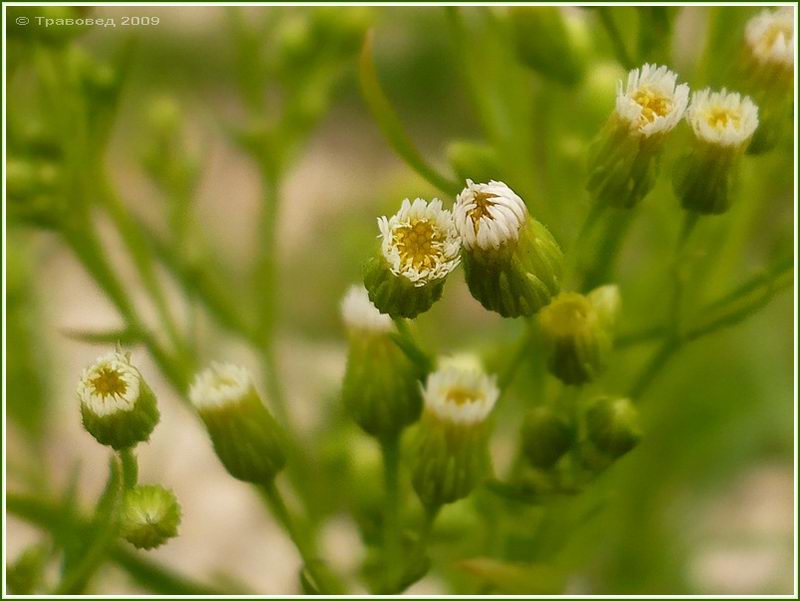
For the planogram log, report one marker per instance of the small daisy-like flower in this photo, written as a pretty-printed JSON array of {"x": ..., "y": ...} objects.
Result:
[
  {"x": 487, "y": 216},
  {"x": 219, "y": 385},
  {"x": 246, "y": 437},
  {"x": 460, "y": 394},
  {"x": 117, "y": 407},
  {"x": 109, "y": 385},
  {"x": 420, "y": 242},
  {"x": 359, "y": 313},
  {"x": 770, "y": 36},
  {"x": 722, "y": 118},
  {"x": 652, "y": 102}
]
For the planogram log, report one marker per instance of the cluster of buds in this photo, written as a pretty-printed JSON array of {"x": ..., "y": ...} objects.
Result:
[
  {"x": 766, "y": 72},
  {"x": 511, "y": 261}
]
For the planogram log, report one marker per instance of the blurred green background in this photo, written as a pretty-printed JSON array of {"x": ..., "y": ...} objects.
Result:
[{"x": 704, "y": 505}]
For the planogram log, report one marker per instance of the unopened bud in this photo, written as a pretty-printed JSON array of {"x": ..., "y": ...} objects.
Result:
[
  {"x": 151, "y": 516},
  {"x": 246, "y": 438},
  {"x": 546, "y": 436},
  {"x": 612, "y": 425},
  {"x": 380, "y": 389}
]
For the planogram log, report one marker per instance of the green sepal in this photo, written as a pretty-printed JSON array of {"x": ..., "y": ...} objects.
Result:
[
  {"x": 450, "y": 460},
  {"x": 612, "y": 426},
  {"x": 246, "y": 438},
  {"x": 517, "y": 279},
  {"x": 397, "y": 295},
  {"x": 381, "y": 389},
  {"x": 124, "y": 429},
  {"x": 703, "y": 179}
]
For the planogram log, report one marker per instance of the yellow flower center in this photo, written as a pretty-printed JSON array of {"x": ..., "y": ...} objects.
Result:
[
  {"x": 462, "y": 396},
  {"x": 654, "y": 104},
  {"x": 109, "y": 382},
  {"x": 481, "y": 209},
  {"x": 418, "y": 244},
  {"x": 720, "y": 118}
]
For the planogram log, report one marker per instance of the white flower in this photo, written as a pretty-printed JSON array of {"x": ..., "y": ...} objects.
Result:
[
  {"x": 722, "y": 118},
  {"x": 109, "y": 385},
  {"x": 460, "y": 393},
  {"x": 359, "y": 313},
  {"x": 420, "y": 242},
  {"x": 220, "y": 385},
  {"x": 488, "y": 215},
  {"x": 770, "y": 36},
  {"x": 652, "y": 102}
]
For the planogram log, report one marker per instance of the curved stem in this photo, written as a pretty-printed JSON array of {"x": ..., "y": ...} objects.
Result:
[
  {"x": 617, "y": 44},
  {"x": 322, "y": 578}
]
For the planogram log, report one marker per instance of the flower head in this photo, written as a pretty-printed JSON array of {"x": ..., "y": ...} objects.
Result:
[
  {"x": 489, "y": 215},
  {"x": 460, "y": 394},
  {"x": 420, "y": 242},
  {"x": 109, "y": 385},
  {"x": 359, "y": 313},
  {"x": 651, "y": 103},
  {"x": 770, "y": 36},
  {"x": 220, "y": 385},
  {"x": 722, "y": 118}
]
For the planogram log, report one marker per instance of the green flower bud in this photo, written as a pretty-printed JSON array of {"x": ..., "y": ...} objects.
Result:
[
  {"x": 470, "y": 159},
  {"x": 612, "y": 426},
  {"x": 512, "y": 263},
  {"x": 544, "y": 43},
  {"x": 723, "y": 124},
  {"x": 451, "y": 453},
  {"x": 419, "y": 249},
  {"x": 624, "y": 160},
  {"x": 380, "y": 388},
  {"x": 117, "y": 406},
  {"x": 151, "y": 516},
  {"x": 246, "y": 438},
  {"x": 578, "y": 336},
  {"x": 766, "y": 72},
  {"x": 546, "y": 436}
]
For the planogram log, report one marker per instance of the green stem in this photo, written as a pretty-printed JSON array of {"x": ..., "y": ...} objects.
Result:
[
  {"x": 408, "y": 344},
  {"x": 130, "y": 468},
  {"x": 323, "y": 579},
  {"x": 602, "y": 271},
  {"x": 520, "y": 352},
  {"x": 653, "y": 367},
  {"x": 617, "y": 44},
  {"x": 392, "y": 558}
]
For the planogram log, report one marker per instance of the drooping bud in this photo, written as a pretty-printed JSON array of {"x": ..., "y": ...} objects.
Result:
[
  {"x": 723, "y": 124},
  {"x": 451, "y": 453},
  {"x": 578, "y": 330},
  {"x": 151, "y": 516},
  {"x": 612, "y": 426},
  {"x": 380, "y": 389},
  {"x": 544, "y": 43},
  {"x": 546, "y": 436},
  {"x": 512, "y": 263},
  {"x": 246, "y": 438},
  {"x": 419, "y": 249},
  {"x": 766, "y": 72},
  {"x": 117, "y": 406},
  {"x": 623, "y": 161}
]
